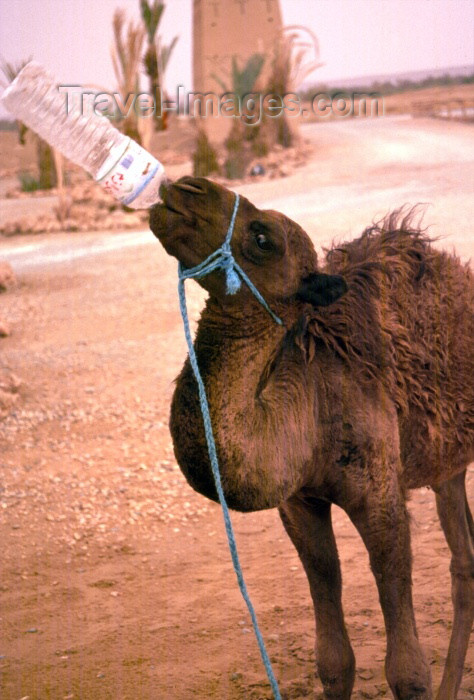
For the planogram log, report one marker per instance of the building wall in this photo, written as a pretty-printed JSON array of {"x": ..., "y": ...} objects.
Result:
[{"x": 226, "y": 28}]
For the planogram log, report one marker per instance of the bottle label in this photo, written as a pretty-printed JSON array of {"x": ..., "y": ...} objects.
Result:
[{"x": 131, "y": 174}]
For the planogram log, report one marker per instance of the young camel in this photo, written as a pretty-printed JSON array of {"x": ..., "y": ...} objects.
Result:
[{"x": 366, "y": 391}]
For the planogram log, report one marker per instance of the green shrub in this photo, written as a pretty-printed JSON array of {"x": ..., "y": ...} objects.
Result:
[
  {"x": 258, "y": 139},
  {"x": 238, "y": 152},
  {"x": 28, "y": 182},
  {"x": 235, "y": 166},
  {"x": 204, "y": 157}
]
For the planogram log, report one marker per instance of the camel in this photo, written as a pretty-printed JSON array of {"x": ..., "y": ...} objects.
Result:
[{"x": 363, "y": 393}]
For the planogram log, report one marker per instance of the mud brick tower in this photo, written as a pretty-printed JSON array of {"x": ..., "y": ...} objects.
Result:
[{"x": 226, "y": 28}]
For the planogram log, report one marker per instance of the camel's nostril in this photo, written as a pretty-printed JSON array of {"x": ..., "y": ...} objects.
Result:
[{"x": 190, "y": 184}]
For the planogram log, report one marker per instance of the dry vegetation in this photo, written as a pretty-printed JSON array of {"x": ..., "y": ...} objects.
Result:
[
  {"x": 116, "y": 580},
  {"x": 85, "y": 207},
  {"x": 410, "y": 102},
  {"x": 417, "y": 102}
]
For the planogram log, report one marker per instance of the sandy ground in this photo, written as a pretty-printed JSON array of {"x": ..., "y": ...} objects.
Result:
[{"x": 115, "y": 580}]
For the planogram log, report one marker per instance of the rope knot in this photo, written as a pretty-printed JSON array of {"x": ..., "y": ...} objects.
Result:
[
  {"x": 223, "y": 259},
  {"x": 232, "y": 279}
]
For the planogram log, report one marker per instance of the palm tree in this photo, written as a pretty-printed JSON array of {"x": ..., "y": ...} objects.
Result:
[
  {"x": 156, "y": 56},
  {"x": 242, "y": 83},
  {"x": 126, "y": 59},
  {"x": 296, "y": 55}
]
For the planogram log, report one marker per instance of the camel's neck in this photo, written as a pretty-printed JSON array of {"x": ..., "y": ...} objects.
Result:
[
  {"x": 234, "y": 354},
  {"x": 260, "y": 399}
]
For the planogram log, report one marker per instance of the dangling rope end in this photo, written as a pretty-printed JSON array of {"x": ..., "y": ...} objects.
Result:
[
  {"x": 233, "y": 282},
  {"x": 223, "y": 259}
]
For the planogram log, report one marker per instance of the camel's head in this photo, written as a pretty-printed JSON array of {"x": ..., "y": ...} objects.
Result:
[{"x": 275, "y": 253}]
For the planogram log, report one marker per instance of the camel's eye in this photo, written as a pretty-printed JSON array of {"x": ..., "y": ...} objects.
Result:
[
  {"x": 261, "y": 236},
  {"x": 263, "y": 242}
]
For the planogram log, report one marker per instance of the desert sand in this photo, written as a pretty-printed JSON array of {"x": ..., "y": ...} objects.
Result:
[{"x": 116, "y": 582}]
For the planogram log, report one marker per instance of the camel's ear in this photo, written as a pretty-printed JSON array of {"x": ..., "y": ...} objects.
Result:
[{"x": 319, "y": 289}]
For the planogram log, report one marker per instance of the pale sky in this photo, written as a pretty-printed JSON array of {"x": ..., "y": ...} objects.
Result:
[{"x": 72, "y": 38}]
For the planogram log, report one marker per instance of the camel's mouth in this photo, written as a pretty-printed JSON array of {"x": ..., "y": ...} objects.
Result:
[
  {"x": 174, "y": 201},
  {"x": 172, "y": 216},
  {"x": 185, "y": 220},
  {"x": 175, "y": 223}
]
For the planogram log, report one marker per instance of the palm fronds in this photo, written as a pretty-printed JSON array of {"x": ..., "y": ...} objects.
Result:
[
  {"x": 295, "y": 57},
  {"x": 157, "y": 54},
  {"x": 151, "y": 15},
  {"x": 126, "y": 53}
]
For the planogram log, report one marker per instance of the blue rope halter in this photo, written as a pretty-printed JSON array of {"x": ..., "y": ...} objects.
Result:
[{"x": 223, "y": 259}]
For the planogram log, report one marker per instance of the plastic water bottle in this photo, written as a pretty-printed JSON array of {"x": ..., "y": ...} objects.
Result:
[{"x": 119, "y": 164}]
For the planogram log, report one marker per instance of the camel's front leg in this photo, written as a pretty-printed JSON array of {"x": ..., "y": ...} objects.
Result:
[
  {"x": 382, "y": 521},
  {"x": 308, "y": 523}
]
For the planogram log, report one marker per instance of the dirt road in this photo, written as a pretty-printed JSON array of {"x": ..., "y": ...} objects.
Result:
[{"x": 116, "y": 582}]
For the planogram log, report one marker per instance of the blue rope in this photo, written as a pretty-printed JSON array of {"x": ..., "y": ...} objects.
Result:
[{"x": 223, "y": 259}]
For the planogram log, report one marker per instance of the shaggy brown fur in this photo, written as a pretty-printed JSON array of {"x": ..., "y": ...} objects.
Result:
[
  {"x": 407, "y": 321},
  {"x": 365, "y": 391},
  {"x": 397, "y": 323}
]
